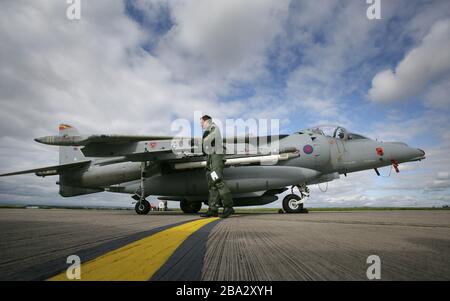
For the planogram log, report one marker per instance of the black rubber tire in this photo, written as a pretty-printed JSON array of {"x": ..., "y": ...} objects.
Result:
[
  {"x": 290, "y": 209},
  {"x": 142, "y": 208},
  {"x": 190, "y": 207}
]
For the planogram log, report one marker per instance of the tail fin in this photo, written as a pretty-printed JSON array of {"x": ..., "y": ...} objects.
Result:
[{"x": 69, "y": 154}]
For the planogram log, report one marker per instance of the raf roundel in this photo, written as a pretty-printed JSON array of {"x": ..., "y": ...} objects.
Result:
[{"x": 308, "y": 149}]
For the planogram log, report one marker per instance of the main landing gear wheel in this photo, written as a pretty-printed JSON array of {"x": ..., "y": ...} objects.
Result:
[
  {"x": 142, "y": 207},
  {"x": 292, "y": 204},
  {"x": 190, "y": 207}
]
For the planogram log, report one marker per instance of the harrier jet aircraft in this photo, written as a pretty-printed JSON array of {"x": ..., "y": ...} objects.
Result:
[{"x": 165, "y": 167}]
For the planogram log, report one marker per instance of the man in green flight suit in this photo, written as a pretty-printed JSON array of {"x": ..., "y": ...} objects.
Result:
[{"x": 218, "y": 190}]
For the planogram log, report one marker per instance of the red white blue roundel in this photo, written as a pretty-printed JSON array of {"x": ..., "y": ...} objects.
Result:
[{"x": 308, "y": 149}]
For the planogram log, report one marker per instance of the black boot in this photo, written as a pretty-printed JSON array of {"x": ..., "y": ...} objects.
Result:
[
  {"x": 210, "y": 213},
  {"x": 227, "y": 212}
]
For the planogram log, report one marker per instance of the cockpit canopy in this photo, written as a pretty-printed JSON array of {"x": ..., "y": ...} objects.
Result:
[{"x": 335, "y": 131}]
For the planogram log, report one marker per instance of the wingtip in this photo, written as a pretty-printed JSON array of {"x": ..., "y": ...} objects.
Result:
[{"x": 42, "y": 140}]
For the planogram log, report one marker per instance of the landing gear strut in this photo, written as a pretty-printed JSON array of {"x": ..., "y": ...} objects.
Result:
[{"x": 142, "y": 206}]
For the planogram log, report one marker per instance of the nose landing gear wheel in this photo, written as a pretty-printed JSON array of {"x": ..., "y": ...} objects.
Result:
[
  {"x": 292, "y": 204},
  {"x": 190, "y": 207},
  {"x": 142, "y": 207}
]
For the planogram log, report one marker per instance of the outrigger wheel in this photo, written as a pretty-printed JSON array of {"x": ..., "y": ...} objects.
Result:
[
  {"x": 142, "y": 207},
  {"x": 292, "y": 204}
]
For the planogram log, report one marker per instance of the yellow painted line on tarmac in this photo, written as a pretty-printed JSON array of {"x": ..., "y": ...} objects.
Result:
[{"x": 138, "y": 260}]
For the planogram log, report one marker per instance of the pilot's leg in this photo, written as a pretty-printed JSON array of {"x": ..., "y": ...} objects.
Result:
[
  {"x": 225, "y": 194},
  {"x": 213, "y": 198},
  {"x": 217, "y": 166}
]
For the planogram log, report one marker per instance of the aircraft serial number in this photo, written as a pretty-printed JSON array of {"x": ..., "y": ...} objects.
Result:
[{"x": 246, "y": 290}]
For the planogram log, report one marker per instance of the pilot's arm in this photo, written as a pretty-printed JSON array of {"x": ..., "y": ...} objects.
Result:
[{"x": 209, "y": 138}]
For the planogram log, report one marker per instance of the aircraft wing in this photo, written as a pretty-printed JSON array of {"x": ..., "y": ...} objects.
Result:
[
  {"x": 254, "y": 139},
  {"x": 96, "y": 139},
  {"x": 49, "y": 170},
  {"x": 144, "y": 148},
  {"x": 163, "y": 150},
  {"x": 126, "y": 139}
]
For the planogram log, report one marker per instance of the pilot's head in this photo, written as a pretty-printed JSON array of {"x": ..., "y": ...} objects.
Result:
[{"x": 204, "y": 120}]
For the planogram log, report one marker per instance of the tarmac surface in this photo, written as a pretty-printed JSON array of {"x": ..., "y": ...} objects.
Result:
[{"x": 120, "y": 245}]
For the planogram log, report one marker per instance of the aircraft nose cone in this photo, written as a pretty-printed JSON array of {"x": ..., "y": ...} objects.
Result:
[
  {"x": 416, "y": 154},
  {"x": 401, "y": 152}
]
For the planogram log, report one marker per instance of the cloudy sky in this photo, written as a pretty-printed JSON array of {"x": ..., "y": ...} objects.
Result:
[{"x": 134, "y": 66}]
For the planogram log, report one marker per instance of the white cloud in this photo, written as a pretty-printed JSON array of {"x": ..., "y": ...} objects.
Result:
[
  {"x": 221, "y": 40},
  {"x": 92, "y": 73},
  {"x": 319, "y": 107},
  {"x": 419, "y": 68},
  {"x": 333, "y": 38},
  {"x": 438, "y": 96}
]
